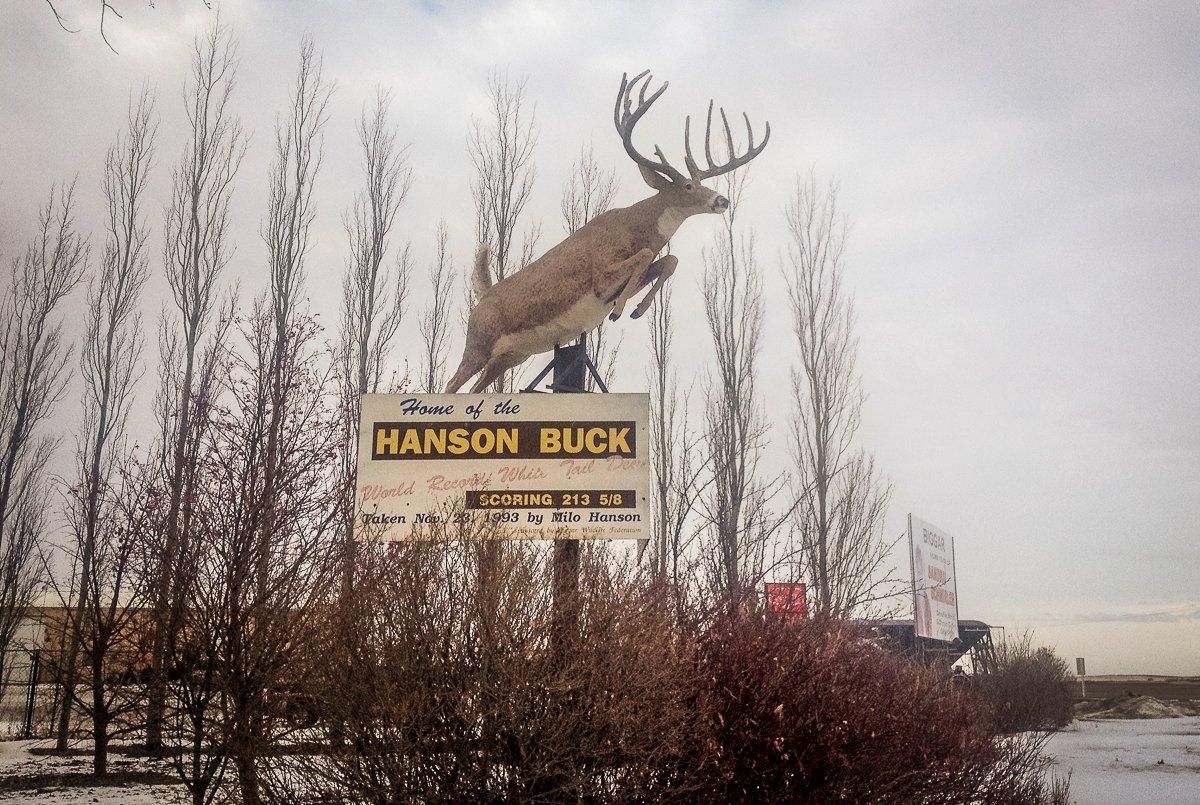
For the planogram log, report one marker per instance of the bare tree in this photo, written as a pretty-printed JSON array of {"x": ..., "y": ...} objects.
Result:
[
  {"x": 251, "y": 601},
  {"x": 107, "y": 624},
  {"x": 435, "y": 318},
  {"x": 842, "y": 498},
  {"x": 501, "y": 150},
  {"x": 590, "y": 192},
  {"x": 278, "y": 374},
  {"x": 195, "y": 253},
  {"x": 375, "y": 290},
  {"x": 735, "y": 430},
  {"x": 677, "y": 477},
  {"x": 33, "y": 376},
  {"x": 191, "y": 676},
  {"x": 109, "y": 364}
]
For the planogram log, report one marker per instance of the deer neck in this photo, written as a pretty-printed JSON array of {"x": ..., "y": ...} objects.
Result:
[{"x": 662, "y": 215}]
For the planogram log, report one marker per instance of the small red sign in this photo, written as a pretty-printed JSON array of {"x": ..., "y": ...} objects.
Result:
[{"x": 787, "y": 599}]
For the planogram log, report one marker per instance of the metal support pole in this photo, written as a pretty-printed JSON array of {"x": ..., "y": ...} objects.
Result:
[
  {"x": 34, "y": 668},
  {"x": 569, "y": 374}
]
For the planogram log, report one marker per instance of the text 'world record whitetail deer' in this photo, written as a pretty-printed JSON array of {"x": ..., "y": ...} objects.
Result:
[{"x": 594, "y": 272}]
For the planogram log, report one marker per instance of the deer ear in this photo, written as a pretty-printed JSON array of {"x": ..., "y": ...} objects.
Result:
[{"x": 655, "y": 179}]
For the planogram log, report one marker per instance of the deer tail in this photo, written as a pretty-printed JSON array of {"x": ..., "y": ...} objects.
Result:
[{"x": 481, "y": 275}]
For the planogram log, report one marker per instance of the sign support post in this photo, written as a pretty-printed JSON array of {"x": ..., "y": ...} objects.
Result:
[{"x": 569, "y": 368}]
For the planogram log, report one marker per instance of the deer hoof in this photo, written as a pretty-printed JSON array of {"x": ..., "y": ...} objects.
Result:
[
  {"x": 613, "y": 316},
  {"x": 637, "y": 314}
]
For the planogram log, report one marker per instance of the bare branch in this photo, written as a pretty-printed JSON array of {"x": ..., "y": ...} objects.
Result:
[
  {"x": 435, "y": 319},
  {"x": 58, "y": 18},
  {"x": 589, "y": 192}
]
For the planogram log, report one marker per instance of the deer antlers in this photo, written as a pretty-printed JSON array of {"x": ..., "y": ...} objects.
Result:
[
  {"x": 625, "y": 117},
  {"x": 734, "y": 161}
]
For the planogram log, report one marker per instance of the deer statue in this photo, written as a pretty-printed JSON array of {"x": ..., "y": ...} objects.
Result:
[{"x": 597, "y": 269}]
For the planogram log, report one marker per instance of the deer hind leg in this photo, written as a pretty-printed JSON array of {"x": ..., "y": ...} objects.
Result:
[
  {"x": 487, "y": 377},
  {"x": 498, "y": 365},
  {"x": 620, "y": 281},
  {"x": 664, "y": 267},
  {"x": 466, "y": 368},
  {"x": 471, "y": 363}
]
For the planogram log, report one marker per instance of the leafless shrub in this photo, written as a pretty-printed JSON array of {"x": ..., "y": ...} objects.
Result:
[
  {"x": 842, "y": 500},
  {"x": 1028, "y": 688},
  {"x": 435, "y": 689},
  {"x": 807, "y": 711}
]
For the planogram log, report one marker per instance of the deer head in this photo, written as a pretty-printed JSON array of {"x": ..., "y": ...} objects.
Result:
[{"x": 687, "y": 194}]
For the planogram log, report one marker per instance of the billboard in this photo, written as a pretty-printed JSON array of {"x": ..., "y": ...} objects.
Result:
[
  {"x": 535, "y": 466},
  {"x": 787, "y": 599},
  {"x": 935, "y": 596}
]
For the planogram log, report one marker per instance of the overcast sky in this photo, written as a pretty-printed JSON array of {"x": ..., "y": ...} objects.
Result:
[{"x": 1022, "y": 183}]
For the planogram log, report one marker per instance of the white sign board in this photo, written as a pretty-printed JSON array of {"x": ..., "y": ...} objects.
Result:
[
  {"x": 935, "y": 596},
  {"x": 535, "y": 466}
]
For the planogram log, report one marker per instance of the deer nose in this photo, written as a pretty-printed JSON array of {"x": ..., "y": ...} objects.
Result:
[{"x": 720, "y": 203}]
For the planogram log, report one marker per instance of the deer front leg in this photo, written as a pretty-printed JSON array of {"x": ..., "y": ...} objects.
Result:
[
  {"x": 664, "y": 267},
  {"x": 623, "y": 279}
]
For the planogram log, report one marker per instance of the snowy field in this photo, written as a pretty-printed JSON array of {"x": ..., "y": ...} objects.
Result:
[
  {"x": 38, "y": 773},
  {"x": 1131, "y": 762}
]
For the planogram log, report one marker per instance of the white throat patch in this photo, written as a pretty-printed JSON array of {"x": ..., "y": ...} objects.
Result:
[{"x": 670, "y": 221}]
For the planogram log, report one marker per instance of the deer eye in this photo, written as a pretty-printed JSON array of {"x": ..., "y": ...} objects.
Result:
[{"x": 689, "y": 186}]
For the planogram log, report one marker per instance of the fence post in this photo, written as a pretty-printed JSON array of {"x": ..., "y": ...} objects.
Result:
[{"x": 34, "y": 667}]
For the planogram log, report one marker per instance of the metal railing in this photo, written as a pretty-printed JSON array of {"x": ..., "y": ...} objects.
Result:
[{"x": 29, "y": 699}]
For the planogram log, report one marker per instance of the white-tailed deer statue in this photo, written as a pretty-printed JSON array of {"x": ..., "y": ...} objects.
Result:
[{"x": 594, "y": 272}]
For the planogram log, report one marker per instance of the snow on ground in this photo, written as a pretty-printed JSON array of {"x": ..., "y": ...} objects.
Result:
[
  {"x": 1131, "y": 762},
  {"x": 1112, "y": 762},
  {"x": 16, "y": 761}
]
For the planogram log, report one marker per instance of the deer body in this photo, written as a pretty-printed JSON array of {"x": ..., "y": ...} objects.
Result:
[{"x": 593, "y": 272}]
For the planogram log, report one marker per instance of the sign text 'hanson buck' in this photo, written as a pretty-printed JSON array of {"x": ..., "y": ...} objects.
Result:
[{"x": 540, "y": 466}]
